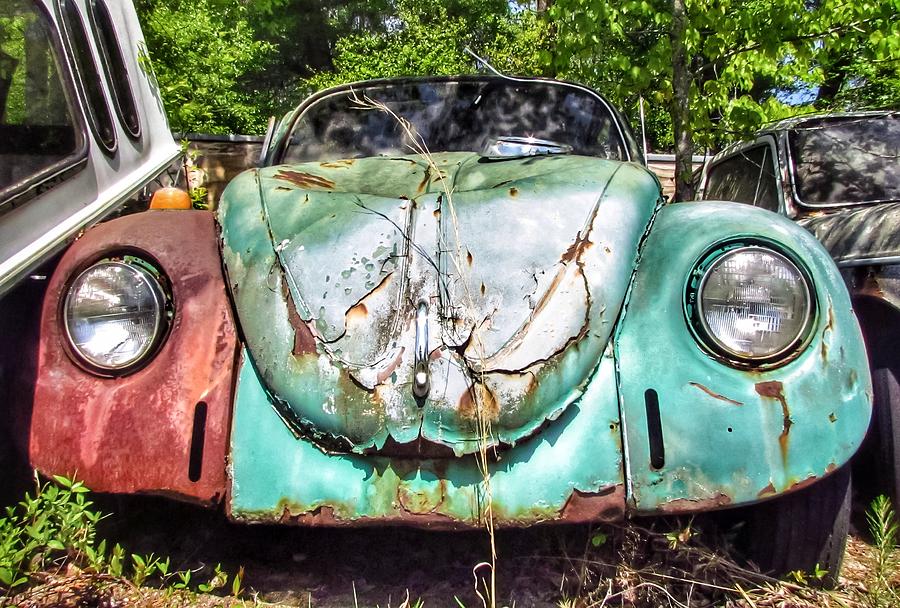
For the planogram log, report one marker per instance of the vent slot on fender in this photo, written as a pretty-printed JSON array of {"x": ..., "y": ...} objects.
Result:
[
  {"x": 654, "y": 430},
  {"x": 198, "y": 437}
]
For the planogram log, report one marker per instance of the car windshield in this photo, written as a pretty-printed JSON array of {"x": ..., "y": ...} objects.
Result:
[
  {"x": 846, "y": 160},
  {"x": 469, "y": 115}
]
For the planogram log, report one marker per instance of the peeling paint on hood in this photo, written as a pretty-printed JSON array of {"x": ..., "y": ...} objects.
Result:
[{"x": 518, "y": 276}]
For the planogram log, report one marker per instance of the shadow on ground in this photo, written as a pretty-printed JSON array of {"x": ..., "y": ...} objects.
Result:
[{"x": 325, "y": 566}]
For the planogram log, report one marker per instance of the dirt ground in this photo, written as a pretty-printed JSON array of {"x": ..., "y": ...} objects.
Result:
[{"x": 385, "y": 567}]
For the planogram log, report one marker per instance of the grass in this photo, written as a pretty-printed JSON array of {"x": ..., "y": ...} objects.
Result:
[{"x": 51, "y": 555}]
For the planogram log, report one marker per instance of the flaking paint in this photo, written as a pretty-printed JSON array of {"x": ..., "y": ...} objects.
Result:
[
  {"x": 519, "y": 316},
  {"x": 571, "y": 471},
  {"x": 796, "y": 421}
]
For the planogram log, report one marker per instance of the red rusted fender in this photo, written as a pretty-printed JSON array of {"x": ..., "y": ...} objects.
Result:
[{"x": 135, "y": 433}]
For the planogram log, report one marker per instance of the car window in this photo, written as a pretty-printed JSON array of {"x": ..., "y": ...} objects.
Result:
[
  {"x": 450, "y": 116},
  {"x": 37, "y": 129},
  {"x": 747, "y": 177},
  {"x": 114, "y": 66},
  {"x": 89, "y": 76},
  {"x": 842, "y": 160}
]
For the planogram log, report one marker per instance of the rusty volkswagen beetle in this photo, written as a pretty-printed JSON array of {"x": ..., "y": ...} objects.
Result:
[
  {"x": 448, "y": 299},
  {"x": 838, "y": 175}
]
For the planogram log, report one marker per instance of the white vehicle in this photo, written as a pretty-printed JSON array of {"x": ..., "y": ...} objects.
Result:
[
  {"x": 82, "y": 133},
  {"x": 82, "y": 125}
]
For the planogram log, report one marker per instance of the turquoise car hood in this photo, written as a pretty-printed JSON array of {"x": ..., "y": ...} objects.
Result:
[{"x": 500, "y": 281}]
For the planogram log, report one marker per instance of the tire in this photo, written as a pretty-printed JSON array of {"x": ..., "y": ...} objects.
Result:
[
  {"x": 805, "y": 530},
  {"x": 885, "y": 434}
]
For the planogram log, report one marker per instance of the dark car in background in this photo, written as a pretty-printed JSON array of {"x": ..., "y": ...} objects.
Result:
[{"x": 838, "y": 176}]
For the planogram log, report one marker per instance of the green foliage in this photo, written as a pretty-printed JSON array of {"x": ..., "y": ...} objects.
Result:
[
  {"x": 430, "y": 39},
  {"x": 883, "y": 527},
  {"x": 633, "y": 57},
  {"x": 55, "y": 524},
  {"x": 58, "y": 525},
  {"x": 721, "y": 68},
  {"x": 202, "y": 50},
  {"x": 414, "y": 48}
]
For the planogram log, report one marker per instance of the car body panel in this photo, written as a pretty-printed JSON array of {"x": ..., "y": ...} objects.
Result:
[
  {"x": 544, "y": 296},
  {"x": 734, "y": 435},
  {"x": 860, "y": 235},
  {"x": 572, "y": 471},
  {"x": 41, "y": 216},
  {"x": 136, "y": 433},
  {"x": 523, "y": 270}
]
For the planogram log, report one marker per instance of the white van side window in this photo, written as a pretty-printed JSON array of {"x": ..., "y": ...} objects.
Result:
[{"x": 38, "y": 134}]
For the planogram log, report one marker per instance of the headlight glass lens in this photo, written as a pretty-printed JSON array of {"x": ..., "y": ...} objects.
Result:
[
  {"x": 114, "y": 314},
  {"x": 754, "y": 303}
]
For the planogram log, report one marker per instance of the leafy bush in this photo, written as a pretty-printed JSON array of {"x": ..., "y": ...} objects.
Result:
[
  {"x": 56, "y": 524},
  {"x": 201, "y": 53}
]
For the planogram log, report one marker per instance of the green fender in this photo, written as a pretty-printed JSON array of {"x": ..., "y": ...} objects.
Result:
[{"x": 733, "y": 435}]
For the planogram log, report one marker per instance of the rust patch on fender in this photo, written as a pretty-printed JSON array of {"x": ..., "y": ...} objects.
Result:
[
  {"x": 304, "y": 341},
  {"x": 307, "y": 181},
  {"x": 686, "y": 505},
  {"x": 478, "y": 397},
  {"x": 421, "y": 503},
  {"x": 775, "y": 390},
  {"x": 514, "y": 192},
  {"x": 713, "y": 394},
  {"x": 326, "y": 516},
  {"x": 428, "y": 178},
  {"x": 852, "y": 379},
  {"x": 799, "y": 485},
  {"x": 576, "y": 249},
  {"x": 134, "y": 434},
  {"x": 357, "y": 313},
  {"x": 829, "y": 326},
  {"x": 607, "y": 505},
  {"x": 321, "y": 516},
  {"x": 769, "y": 490}
]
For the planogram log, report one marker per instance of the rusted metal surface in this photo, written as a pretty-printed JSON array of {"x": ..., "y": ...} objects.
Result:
[
  {"x": 519, "y": 274},
  {"x": 571, "y": 471},
  {"x": 714, "y": 395},
  {"x": 405, "y": 312},
  {"x": 134, "y": 433},
  {"x": 774, "y": 390},
  {"x": 776, "y": 426},
  {"x": 694, "y": 505}
]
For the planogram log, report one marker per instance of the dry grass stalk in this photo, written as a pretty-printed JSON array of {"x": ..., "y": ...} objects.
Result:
[{"x": 488, "y": 591}]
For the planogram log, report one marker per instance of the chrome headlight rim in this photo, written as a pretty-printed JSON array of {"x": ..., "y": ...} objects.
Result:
[
  {"x": 704, "y": 335},
  {"x": 160, "y": 288}
]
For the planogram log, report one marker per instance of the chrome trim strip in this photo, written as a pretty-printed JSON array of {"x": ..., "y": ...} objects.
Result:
[{"x": 878, "y": 261}]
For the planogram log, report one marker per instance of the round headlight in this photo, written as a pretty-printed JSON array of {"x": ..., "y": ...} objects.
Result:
[
  {"x": 753, "y": 303},
  {"x": 114, "y": 315}
]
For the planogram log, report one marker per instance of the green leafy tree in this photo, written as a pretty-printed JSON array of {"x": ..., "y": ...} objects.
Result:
[
  {"x": 722, "y": 66},
  {"x": 430, "y": 39},
  {"x": 202, "y": 51}
]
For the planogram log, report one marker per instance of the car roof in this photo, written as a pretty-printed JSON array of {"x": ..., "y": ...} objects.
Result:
[{"x": 795, "y": 122}]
